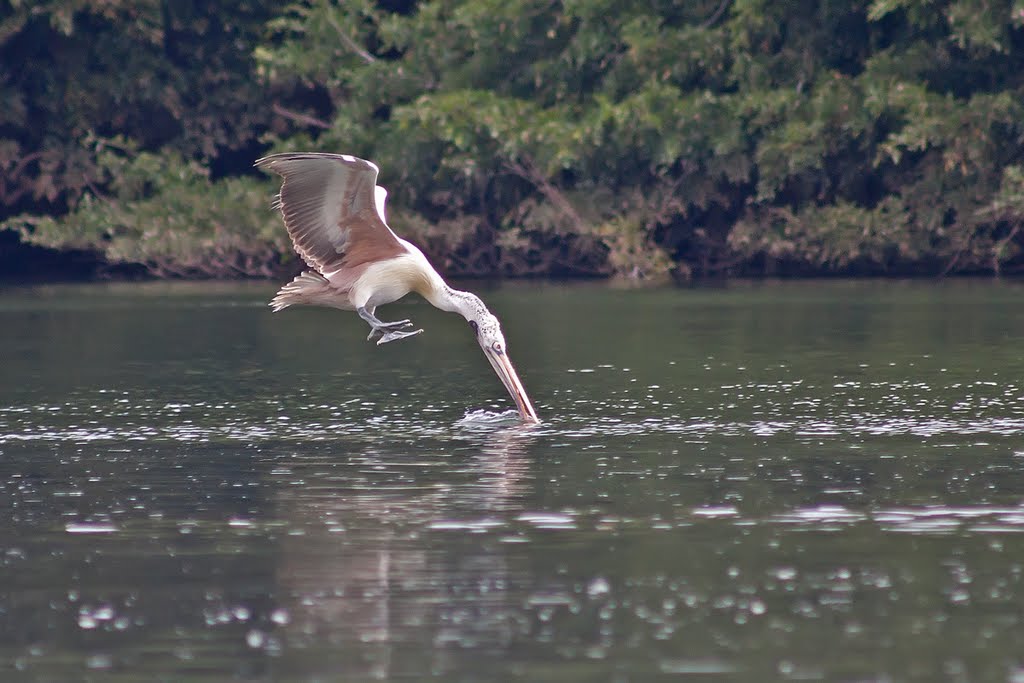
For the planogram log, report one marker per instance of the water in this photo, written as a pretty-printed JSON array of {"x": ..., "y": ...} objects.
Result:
[{"x": 805, "y": 481}]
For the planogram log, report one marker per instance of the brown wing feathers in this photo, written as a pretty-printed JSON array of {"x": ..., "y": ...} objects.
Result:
[{"x": 327, "y": 201}]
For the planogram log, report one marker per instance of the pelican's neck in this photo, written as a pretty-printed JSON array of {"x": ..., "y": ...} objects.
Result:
[{"x": 466, "y": 304}]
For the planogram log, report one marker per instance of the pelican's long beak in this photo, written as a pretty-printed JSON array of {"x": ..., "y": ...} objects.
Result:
[{"x": 507, "y": 374}]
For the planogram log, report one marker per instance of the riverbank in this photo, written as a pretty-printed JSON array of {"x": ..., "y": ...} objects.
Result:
[{"x": 573, "y": 258}]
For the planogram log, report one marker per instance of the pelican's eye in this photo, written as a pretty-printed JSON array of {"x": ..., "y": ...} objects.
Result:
[
  {"x": 476, "y": 328},
  {"x": 497, "y": 347}
]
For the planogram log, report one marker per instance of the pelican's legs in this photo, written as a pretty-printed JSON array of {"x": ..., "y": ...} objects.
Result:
[{"x": 386, "y": 331}]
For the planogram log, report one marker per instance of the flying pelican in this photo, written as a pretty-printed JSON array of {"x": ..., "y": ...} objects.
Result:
[{"x": 334, "y": 212}]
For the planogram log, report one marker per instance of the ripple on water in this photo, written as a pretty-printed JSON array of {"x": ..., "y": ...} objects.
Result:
[
  {"x": 927, "y": 520},
  {"x": 695, "y": 667},
  {"x": 90, "y": 528},
  {"x": 942, "y": 519},
  {"x": 763, "y": 409}
]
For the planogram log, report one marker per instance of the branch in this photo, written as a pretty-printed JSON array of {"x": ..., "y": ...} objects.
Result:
[
  {"x": 998, "y": 250},
  {"x": 300, "y": 117},
  {"x": 525, "y": 168},
  {"x": 956, "y": 259},
  {"x": 349, "y": 43},
  {"x": 713, "y": 19},
  {"x": 9, "y": 198}
]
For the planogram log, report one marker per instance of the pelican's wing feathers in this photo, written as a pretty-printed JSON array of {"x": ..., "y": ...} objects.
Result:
[{"x": 333, "y": 209}]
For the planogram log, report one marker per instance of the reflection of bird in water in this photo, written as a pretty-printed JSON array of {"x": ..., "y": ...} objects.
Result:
[
  {"x": 334, "y": 211},
  {"x": 501, "y": 463},
  {"x": 386, "y": 577}
]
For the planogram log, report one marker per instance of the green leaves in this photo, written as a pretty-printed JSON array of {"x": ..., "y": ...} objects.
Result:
[
  {"x": 161, "y": 74},
  {"x": 163, "y": 212},
  {"x": 874, "y": 134},
  {"x": 833, "y": 237}
]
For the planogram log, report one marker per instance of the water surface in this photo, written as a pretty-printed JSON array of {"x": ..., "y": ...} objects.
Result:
[{"x": 801, "y": 481}]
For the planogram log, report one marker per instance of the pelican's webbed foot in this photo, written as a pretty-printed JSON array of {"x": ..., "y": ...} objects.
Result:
[
  {"x": 385, "y": 328},
  {"x": 386, "y": 331},
  {"x": 393, "y": 335}
]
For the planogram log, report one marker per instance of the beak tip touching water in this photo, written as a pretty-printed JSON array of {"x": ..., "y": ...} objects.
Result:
[{"x": 507, "y": 374}]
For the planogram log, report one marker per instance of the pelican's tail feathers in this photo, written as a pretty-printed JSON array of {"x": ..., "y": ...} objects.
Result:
[{"x": 311, "y": 289}]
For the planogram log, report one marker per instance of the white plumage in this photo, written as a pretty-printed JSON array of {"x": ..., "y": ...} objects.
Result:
[{"x": 334, "y": 212}]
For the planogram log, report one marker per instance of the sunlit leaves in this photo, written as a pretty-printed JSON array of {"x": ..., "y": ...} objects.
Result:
[{"x": 918, "y": 11}]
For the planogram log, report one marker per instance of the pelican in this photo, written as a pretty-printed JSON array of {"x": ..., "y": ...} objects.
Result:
[{"x": 333, "y": 210}]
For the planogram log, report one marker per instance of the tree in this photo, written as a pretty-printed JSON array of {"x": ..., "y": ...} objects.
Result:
[{"x": 604, "y": 136}]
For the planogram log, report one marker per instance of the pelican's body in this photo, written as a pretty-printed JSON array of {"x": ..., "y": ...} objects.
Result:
[
  {"x": 334, "y": 212},
  {"x": 365, "y": 286}
]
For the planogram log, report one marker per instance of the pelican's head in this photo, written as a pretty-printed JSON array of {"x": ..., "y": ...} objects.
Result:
[{"x": 488, "y": 334}]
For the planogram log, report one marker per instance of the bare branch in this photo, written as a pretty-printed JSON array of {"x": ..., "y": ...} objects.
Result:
[
  {"x": 713, "y": 19},
  {"x": 997, "y": 251},
  {"x": 349, "y": 43},
  {"x": 10, "y": 197},
  {"x": 300, "y": 117},
  {"x": 525, "y": 168}
]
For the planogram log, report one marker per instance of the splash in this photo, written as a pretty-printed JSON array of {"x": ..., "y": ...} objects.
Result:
[{"x": 488, "y": 419}]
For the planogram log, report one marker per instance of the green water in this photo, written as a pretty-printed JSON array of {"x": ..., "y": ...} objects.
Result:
[{"x": 801, "y": 481}]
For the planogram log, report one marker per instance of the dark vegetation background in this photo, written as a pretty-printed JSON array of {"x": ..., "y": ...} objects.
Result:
[{"x": 520, "y": 137}]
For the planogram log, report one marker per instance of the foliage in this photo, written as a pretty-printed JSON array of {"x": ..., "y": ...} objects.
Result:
[
  {"x": 167, "y": 75},
  {"x": 530, "y": 136},
  {"x": 164, "y": 213}
]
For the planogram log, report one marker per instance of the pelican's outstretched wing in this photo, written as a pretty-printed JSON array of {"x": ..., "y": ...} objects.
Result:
[{"x": 333, "y": 209}]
